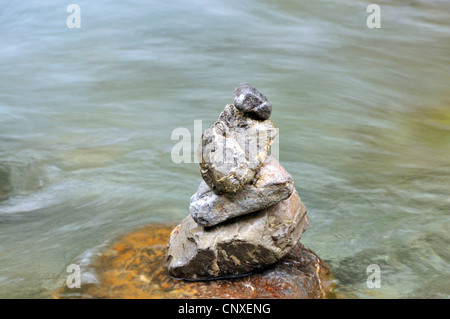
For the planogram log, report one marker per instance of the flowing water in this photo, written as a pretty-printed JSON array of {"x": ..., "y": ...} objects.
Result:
[{"x": 86, "y": 117}]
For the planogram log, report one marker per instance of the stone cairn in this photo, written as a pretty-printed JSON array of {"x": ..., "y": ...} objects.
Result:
[{"x": 246, "y": 213}]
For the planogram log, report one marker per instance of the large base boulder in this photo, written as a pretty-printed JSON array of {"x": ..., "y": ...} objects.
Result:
[
  {"x": 249, "y": 100},
  {"x": 134, "y": 267},
  {"x": 237, "y": 246}
]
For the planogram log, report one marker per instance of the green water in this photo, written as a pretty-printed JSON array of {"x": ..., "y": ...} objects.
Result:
[{"x": 86, "y": 117}]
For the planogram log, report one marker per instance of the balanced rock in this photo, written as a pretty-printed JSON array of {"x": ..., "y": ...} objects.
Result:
[
  {"x": 271, "y": 184},
  {"x": 249, "y": 100},
  {"x": 237, "y": 246},
  {"x": 233, "y": 149}
]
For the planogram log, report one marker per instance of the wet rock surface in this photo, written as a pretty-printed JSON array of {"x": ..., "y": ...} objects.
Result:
[
  {"x": 271, "y": 184},
  {"x": 233, "y": 149},
  {"x": 249, "y": 100},
  {"x": 238, "y": 246},
  {"x": 133, "y": 267}
]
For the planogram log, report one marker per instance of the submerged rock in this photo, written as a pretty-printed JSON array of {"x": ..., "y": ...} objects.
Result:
[
  {"x": 237, "y": 246},
  {"x": 134, "y": 267},
  {"x": 271, "y": 184},
  {"x": 5, "y": 183},
  {"x": 249, "y": 100},
  {"x": 233, "y": 149}
]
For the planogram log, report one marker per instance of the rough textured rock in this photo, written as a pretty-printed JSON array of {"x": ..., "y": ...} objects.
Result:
[
  {"x": 233, "y": 149},
  {"x": 271, "y": 184},
  {"x": 237, "y": 246},
  {"x": 133, "y": 267},
  {"x": 249, "y": 100}
]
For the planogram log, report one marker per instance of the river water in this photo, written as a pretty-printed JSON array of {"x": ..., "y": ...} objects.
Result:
[{"x": 86, "y": 117}]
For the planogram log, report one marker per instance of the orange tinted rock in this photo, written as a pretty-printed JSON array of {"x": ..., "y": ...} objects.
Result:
[{"x": 133, "y": 267}]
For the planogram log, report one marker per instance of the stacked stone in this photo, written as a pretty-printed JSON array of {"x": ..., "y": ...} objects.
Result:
[{"x": 246, "y": 213}]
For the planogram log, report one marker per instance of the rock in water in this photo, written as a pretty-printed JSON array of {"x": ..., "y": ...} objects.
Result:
[
  {"x": 249, "y": 100},
  {"x": 134, "y": 267},
  {"x": 233, "y": 149},
  {"x": 271, "y": 184},
  {"x": 237, "y": 246},
  {"x": 246, "y": 214}
]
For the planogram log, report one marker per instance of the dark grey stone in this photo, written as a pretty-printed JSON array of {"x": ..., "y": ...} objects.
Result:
[
  {"x": 239, "y": 245},
  {"x": 249, "y": 100}
]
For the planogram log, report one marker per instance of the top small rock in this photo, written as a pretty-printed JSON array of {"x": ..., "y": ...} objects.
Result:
[{"x": 249, "y": 100}]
